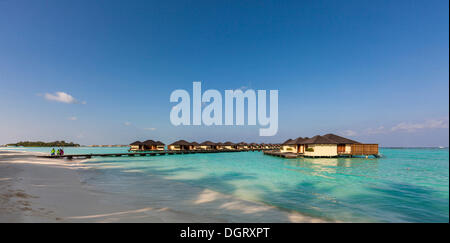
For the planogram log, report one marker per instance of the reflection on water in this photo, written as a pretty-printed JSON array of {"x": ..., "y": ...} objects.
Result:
[
  {"x": 347, "y": 189},
  {"x": 326, "y": 167}
]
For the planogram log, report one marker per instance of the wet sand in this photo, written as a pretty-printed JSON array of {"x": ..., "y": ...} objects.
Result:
[{"x": 49, "y": 190}]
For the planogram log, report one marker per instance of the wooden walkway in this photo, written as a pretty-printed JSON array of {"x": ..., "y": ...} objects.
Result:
[
  {"x": 148, "y": 153},
  {"x": 283, "y": 155}
]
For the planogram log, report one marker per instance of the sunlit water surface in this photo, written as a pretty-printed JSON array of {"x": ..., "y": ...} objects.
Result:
[{"x": 405, "y": 185}]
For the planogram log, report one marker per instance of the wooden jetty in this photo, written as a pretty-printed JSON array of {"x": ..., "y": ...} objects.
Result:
[
  {"x": 147, "y": 153},
  {"x": 280, "y": 154}
]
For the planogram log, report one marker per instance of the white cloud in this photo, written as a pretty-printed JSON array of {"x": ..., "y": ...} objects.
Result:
[
  {"x": 412, "y": 127},
  {"x": 378, "y": 130},
  {"x": 127, "y": 123},
  {"x": 401, "y": 127},
  {"x": 349, "y": 133},
  {"x": 73, "y": 118},
  {"x": 150, "y": 128},
  {"x": 63, "y": 98}
]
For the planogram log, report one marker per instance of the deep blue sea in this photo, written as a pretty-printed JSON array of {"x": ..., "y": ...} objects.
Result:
[{"x": 405, "y": 185}]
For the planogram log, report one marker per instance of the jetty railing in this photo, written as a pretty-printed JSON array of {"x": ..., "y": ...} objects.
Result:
[
  {"x": 145, "y": 153},
  {"x": 364, "y": 149}
]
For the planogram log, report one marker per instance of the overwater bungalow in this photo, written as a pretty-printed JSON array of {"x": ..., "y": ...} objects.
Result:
[
  {"x": 136, "y": 146},
  {"x": 180, "y": 145},
  {"x": 219, "y": 146},
  {"x": 264, "y": 146},
  {"x": 160, "y": 146},
  {"x": 242, "y": 146},
  {"x": 318, "y": 146},
  {"x": 229, "y": 145},
  {"x": 334, "y": 145},
  {"x": 148, "y": 145},
  {"x": 207, "y": 145},
  {"x": 287, "y": 147},
  {"x": 252, "y": 146},
  {"x": 344, "y": 145},
  {"x": 196, "y": 146},
  {"x": 329, "y": 145},
  {"x": 256, "y": 146}
]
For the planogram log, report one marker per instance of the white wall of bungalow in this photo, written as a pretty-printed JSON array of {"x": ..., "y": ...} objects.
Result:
[
  {"x": 134, "y": 147},
  {"x": 174, "y": 147},
  {"x": 321, "y": 150},
  {"x": 288, "y": 148}
]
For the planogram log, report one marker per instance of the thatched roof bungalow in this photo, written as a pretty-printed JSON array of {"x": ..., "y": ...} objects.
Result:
[
  {"x": 147, "y": 145},
  {"x": 196, "y": 146},
  {"x": 229, "y": 145},
  {"x": 253, "y": 146},
  {"x": 180, "y": 145},
  {"x": 207, "y": 145},
  {"x": 287, "y": 147},
  {"x": 320, "y": 146},
  {"x": 329, "y": 145},
  {"x": 160, "y": 145},
  {"x": 242, "y": 146},
  {"x": 219, "y": 146},
  {"x": 135, "y": 146}
]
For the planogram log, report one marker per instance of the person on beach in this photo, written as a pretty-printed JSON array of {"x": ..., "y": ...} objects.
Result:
[
  {"x": 61, "y": 152},
  {"x": 58, "y": 152},
  {"x": 53, "y": 152}
]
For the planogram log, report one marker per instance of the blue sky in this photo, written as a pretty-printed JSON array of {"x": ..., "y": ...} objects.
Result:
[{"x": 374, "y": 71}]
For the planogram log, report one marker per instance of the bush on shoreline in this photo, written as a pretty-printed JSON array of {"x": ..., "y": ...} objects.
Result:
[{"x": 44, "y": 144}]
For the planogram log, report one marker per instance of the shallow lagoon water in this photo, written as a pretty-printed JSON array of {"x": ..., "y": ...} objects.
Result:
[{"x": 405, "y": 185}]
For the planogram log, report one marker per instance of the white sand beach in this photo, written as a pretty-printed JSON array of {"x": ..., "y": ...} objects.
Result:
[{"x": 49, "y": 190}]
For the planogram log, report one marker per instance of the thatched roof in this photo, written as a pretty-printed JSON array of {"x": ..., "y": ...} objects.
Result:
[
  {"x": 195, "y": 144},
  {"x": 325, "y": 139},
  {"x": 242, "y": 144},
  {"x": 136, "y": 143},
  {"x": 319, "y": 140},
  {"x": 208, "y": 143},
  {"x": 228, "y": 143},
  {"x": 339, "y": 139},
  {"x": 149, "y": 142},
  {"x": 298, "y": 140},
  {"x": 181, "y": 142},
  {"x": 159, "y": 143},
  {"x": 219, "y": 144}
]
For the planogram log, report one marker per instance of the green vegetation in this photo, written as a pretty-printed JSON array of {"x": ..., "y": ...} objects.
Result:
[
  {"x": 44, "y": 144},
  {"x": 309, "y": 150}
]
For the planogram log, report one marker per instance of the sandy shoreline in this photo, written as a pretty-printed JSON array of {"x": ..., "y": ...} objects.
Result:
[{"x": 49, "y": 190}]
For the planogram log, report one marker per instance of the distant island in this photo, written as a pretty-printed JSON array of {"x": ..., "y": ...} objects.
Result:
[{"x": 44, "y": 144}]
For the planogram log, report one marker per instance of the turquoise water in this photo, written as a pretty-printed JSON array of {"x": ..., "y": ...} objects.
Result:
[{"x": 405, "y": 185}]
